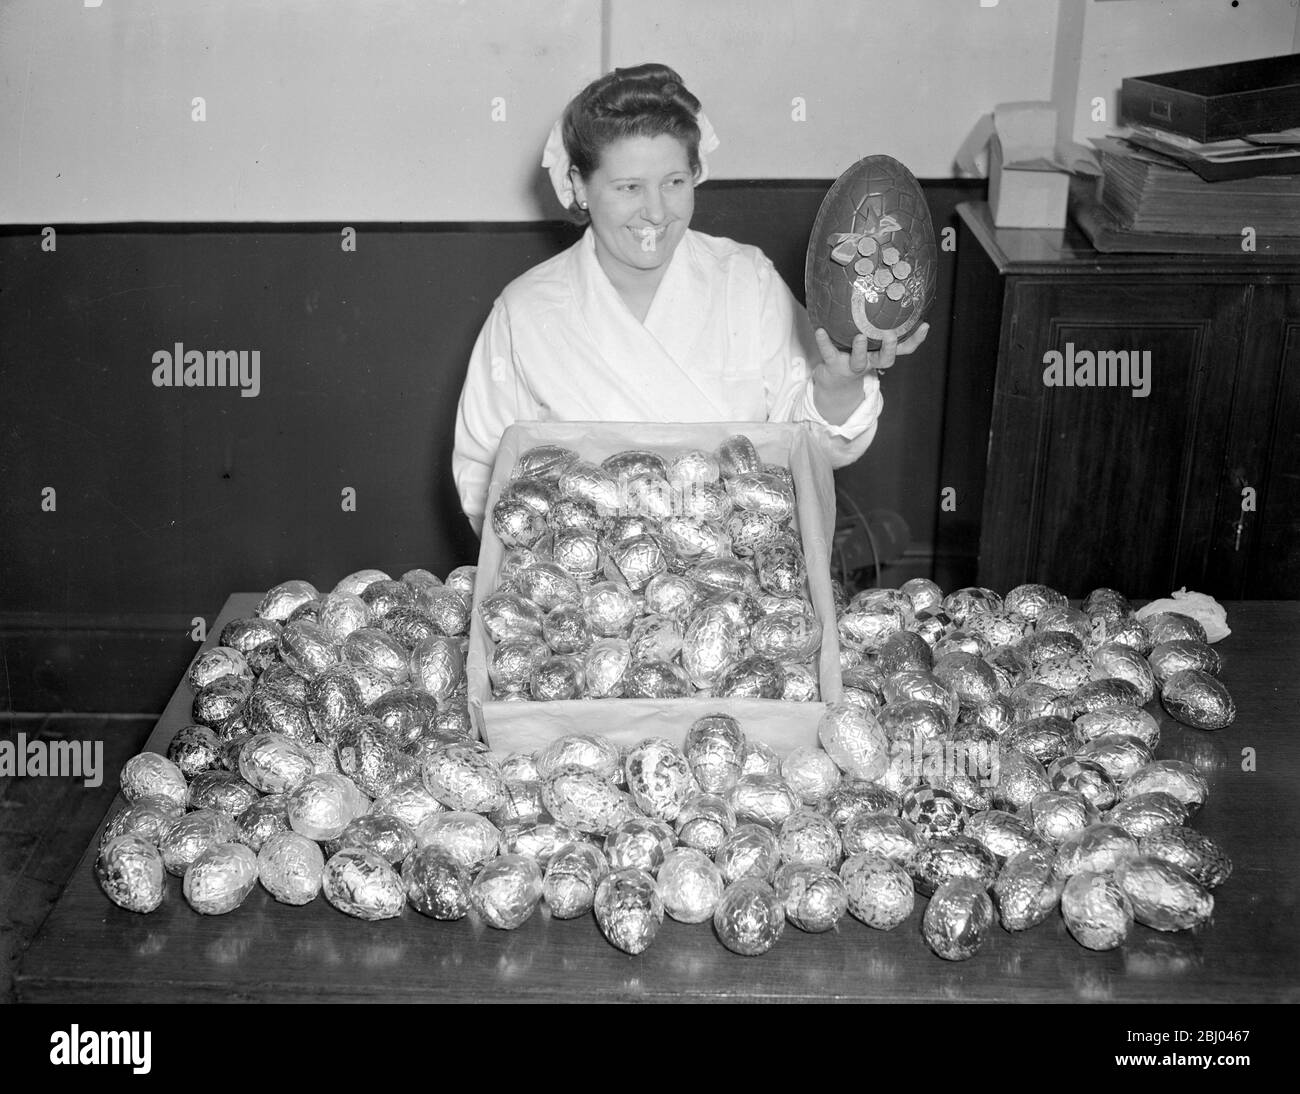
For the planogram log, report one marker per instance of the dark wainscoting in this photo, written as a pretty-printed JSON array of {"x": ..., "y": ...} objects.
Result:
[{"x": 169, "y": 500}]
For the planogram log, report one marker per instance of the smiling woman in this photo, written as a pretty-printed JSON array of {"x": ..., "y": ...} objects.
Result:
[{"x": 643, "y": 319}]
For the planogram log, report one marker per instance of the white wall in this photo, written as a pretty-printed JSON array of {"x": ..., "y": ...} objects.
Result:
[
  {"x": 351, "y": 110},
  {"x": 327, "y": 110},
  {"x": 1141, "y": 37},
  {"x": 908, "y": 79}
]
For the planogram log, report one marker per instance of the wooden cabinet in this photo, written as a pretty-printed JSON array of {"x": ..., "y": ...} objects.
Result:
[{"x": 1107, "y": 416}]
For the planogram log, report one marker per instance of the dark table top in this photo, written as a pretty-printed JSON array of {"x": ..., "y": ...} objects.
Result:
[{"x": 90, "y": 950}]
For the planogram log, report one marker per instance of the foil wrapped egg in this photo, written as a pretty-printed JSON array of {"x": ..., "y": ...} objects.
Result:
[
  {"x": 1083, "y": 777},
  {"x": 1031, "y": 600},
  {"x": 1163, "y": 896},
  {"x": 655, "y": 680},
  {"x": 595, "y": 753},
  {"x": 130, "y": 871},
  {"x": 194, "y": 749},
  {"x": 354, "y": 584},
  {"x": 290, "y": 867},
  {"x": 577, "y": 552},
  {"x": 649, "y": 494},
  {"x": 693, "y": 466},
  {"x": 809, "y": 837},
  {"x": 1096, "y": 911},
  {"x": 704, "y": 822},
  {"x": 464, "y": 779},
  {"x": 566, "y": 630},
  {"x": 1170, "y": 657},
  {"x": 221, "y": 700},
  {"x": 517, "y": 523},
  {"x": 406, "y": 714},
  {"x": 507, "y": 891},
  {"x": 532, "y": 491},
  {"x": 913, "y": 720},
  {"x": 1065, "y": 620},
  {"x": 946, "y": 857},
  {"x": 591, "y": 483},
  {"x": 737, "y": 456},
  {"x": 322, "y": 805},
  {"x": 1030, "y": 699},
  {"x": 905, "y": 651},
  {"x": 671, "y": 596},
  {"x": 1142, "y": 815},
  {"x": 224, "y": 791},
  {"x": 182, "y": 841},
  {"x": 957, "y": 919},
  {"x": 801, "y": 684},
  {"x": 246, "y": 635},
  {"x": 538, "y": 837},
  {"x": 307, "y": 648},
  {"x": 855, "y": 740},
  {"x": 921, "y": 685},
  {"x": 1126, "y": 721},
  {"x": 1117, "y": 754},
  {"x": 436, "y": 666},
  {"x": 573, "y": 874},
  {"x": 931, "y": 625},
  {"x": 437, "y": 885},
  {"x": 605, "y": 666},
  {"x": 762, "y": 799},
  {"x": 1043, "y": 646},
  {"x": 1027, "y": 889},
  {"x": 1045, "y": 739},
  {"x": 853, "y": 797},
  {"x": 1099, "y": 848},
  {"x": 611, "y": 608},
  {"x": 704, "y": 501},
  {"x": 655, "y": 638},
  {"x": 382, "y": 597},
  {"x": 714, "y": 748},
  {"x": 749, "y": 532},
  {"x": 1198, "y": 699},
  {"x": 470, "y": 839},
  {"x": 810, "y": 773},
  {"x": 273, "y": 763},
  {"x": 880, "y": 892},
  {"x": 815, "y": 898},
  {"x": 629, "y": 909},
  {"x": 690, "y": 885},
  {"x": 885, "y": 834},
  {"x": 216, "y": 662},
  {"x": 1002, "y": 833},
  {"x": 363, "y": 884},
  {"x": 960, "y": 604},
  {"x": 549, "y": 585},
  {"x": 726, "y": 575},
  {"x": 868, "y": 628},
  {"x": 1174, "y": 627},
  {"x": 760, "y": 492},
  {"x": 375, "y": 649},
  {"x": 1021, "y": 779},
  {"x": 220, "y": 878},
  {"x": 387, "y": 836},
  {"x": 751, "y": 678},
  {"x": 371, "y": 758},
  {"x": 544, "y": 461},
  {"x": 749, "y": 850},
  {"x": 711, "y": 645},
  {"x": 792, "y": 635},
  {"x": 333, "y": 697},
  {"x": 659, "y": 778},
  {"x": 1057, "y": 815},
  {"x": 750, "y": 917},
  {"x": 998, "y": 628},
  {"x": 508, "y": 615},
  {"x": 1175, "y": 777},
  {"x": 1203, "y": 859},
  {"x": 513, "y": 662},
  {"x": 523, "y": 801},
  {"x": 639, "y": 843},
  {"x": 759, "y": 759},
  {"x": 144, "y": 817},
  {"x": 448, "y": 609},
  {"x": 935, "y": 813},
  {"x": 282, "y": 600},
  {"x": 556, "y": 678},
  {"x": 1104, "y": 694},
  {"x": 581, "y": 799},
  {"x": 924, "y": 594},
  {"x": 1114, "y": 660},
  {"x": 635, "y": 462}
]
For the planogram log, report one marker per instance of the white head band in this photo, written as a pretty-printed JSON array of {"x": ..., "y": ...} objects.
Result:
[{"x": 556, "y": 160}]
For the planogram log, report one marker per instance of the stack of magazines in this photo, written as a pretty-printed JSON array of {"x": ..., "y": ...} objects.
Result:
[{"x": 1150, "y": 190}]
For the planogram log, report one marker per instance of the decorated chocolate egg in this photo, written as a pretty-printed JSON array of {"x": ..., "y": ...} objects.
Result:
[
  {"x": 290, "y": 867},
  {"x": 470, "y": 839},
  {"x": 814, "y": 897},
  {"x": 690, "y": 885},
  {"x": 130, "y": 871},
  {"x": 1198, "y": 699},
  {"x": 507, "y": 891},
  {"x": 573, "y": 874},
  {"x": 437, "y": 885},
  {"x": 704, "y": 822},
  {"x": 363, "y": 884},
  {"x": 750, "y": 917},
  {"x": 629, "y": 909},
  {"x": 1027, "y": 889},
  {"x": 957, "y": 919},
  {"x": 880, "y": 892},
  {"x": 220, "y": 878}
]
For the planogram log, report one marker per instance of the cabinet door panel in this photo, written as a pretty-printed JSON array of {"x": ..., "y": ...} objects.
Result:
[{"x": 1093, "y": 484}]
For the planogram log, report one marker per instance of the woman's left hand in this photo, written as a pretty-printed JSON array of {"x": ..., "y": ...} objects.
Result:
[{"x": 841, "y": 367}]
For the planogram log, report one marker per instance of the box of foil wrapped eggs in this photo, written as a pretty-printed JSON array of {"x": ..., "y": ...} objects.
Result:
[{"x": 634, "y": 577}]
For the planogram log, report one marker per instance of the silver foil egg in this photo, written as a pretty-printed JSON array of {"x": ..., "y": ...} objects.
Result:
[
  {"x": 221, "y": 700},
  {"x": 704, "y": 822},
  {"x": 513, "y": 662},
  {"x": 711, "y": 645},
  {"x": 1045, "y": 739},
  {"x": 437, "y": 666},
  {"x": 672, "y": 596},
  {"x": 655, "y": 638},
  {"x": 639, "y": 843},
  {"x": 144, "y": 817},
  {"x": 1003, "y": 833},
  {"x": 577, "y": 552},
  {"x": 714, "y": 748},
  {"x": 281, "y": 600},
  {"x": 1021, "y": 779},
  {"x": 605, "y": 665},
  {"x": 537, "y": 837},
  {"x": 220, "y": 878},
  {"x": 629, "y": 909},
  {"x": 1128, "y": 721},
  {"x": 855, "y": 740},
  {"x": 814, "y": 897},
  {"x": 273, "y": 763},
  {"x": 579, "y": 798},
  {"x": 354, "y": 584},
  {"x": 947, "y": 857},
  {"x": 517, "y": 523},
  {"x": 364, "y": 885},
  {"x": 391, "y": 839},
  {"x": 263, "y": 819},
  {"x": 1032, "y": 600},
  {"x": 635, "y": 561},
  {"x": 858, "y": 796},
  {"x": 690, "y": 885},
  {"x": 462, "y": 778},
  {"x": 333, "y": 697},
  {"x": 556, "y": 678},
  {"x": 591, "y": 483},
  {"x": 762, "y": 493},
  {"x": 566, "y": 630},
  {"x": 472, "y": 840},
  {"x": 1202, "y": 858},
  {"x": 1144, "y": 814},
  {"x": 1117, "y": 754},
  {"x": 215, "y": 662},
  {"x": 885, "y": 834},
  {"x": 1175, "y": 777},
  {"x": 811, "y": 838},
  {"x": 1174, "y": 627},
  {"x": 935, "y": 813},
  {"x": 1164, "y": 896},
  {"x": 544, "y": 461},
  {"x": 1198, "y": 699},
  {"x": 598, "y": 754},
  {"x": 611, "y": 608},
  {"x": 307, "y": 648},
  {"x": 793, "y": 635},
  {"x": 507, "y": 891},
  {"x": 751, "y": 678},
  {"x": 659, "y": 778},
  {"x": 801, "y": 684},
  {"x": 1084, "y": 777},
  {"x": 962, "y": 603},
  {"x": 1058, "y": 815},
  {"x": 693, "y": 466},
  {"x": 957, "y": 919},
  {"x": 321, "y": 806},
  {"x": 759, "y": 759},
  {"x": 187, "y": 837},
  {"x": 1027, "y": 889},
  {"x": 750, "y": 918},
  {"x": 194, "y": 748},
  {"x": 1170, "y": 657},
  {"x": 1099, "y": 848},
  {"x": 737, "y": 456},
  {"x": 523, "y": 800},
  {"x": 130, "y": 871},
  {"x": 290, "y": 867},
  {"x": 749, "y": 850},
  {"x": 437, "y": 885},
  {"x": 810, "y": 773},
  {"x": 762, "y": 799},
  {"x": 924, "y": 594},
  {"x": 1125, "y": 663},
  {"x": 880, "y": 892},
  {"x": 572, "y": 876},
  {"x": 1096, "y": 911},
  {"x": 655, "y": 680}
]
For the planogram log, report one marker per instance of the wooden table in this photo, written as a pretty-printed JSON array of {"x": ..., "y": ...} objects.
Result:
[{"x": 90, "y": 950}]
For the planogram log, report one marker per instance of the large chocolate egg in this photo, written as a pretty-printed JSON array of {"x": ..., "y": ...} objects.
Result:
[{"x": 872, "y": 258}]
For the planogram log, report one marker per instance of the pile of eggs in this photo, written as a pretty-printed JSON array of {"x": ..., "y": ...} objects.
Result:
[
  {"x": 654, "y": 578},
  {"x": 991, "y": 754}
]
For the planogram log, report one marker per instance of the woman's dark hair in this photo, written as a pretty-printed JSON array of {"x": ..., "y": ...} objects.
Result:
[{"x": 649, "y": 100}]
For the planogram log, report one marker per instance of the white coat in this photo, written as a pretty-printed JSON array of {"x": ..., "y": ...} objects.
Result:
[{"x": 724, "y": 341}]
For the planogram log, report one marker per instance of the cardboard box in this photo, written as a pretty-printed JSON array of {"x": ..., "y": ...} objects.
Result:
[
  {"x": 526, "y": 726},
  {"x": 1028, "y": 186}
]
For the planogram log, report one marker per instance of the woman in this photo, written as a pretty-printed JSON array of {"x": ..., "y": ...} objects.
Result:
[{"x": 643, "y": 319}]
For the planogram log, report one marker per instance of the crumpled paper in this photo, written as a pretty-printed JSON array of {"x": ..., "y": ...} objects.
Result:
[{"x": 1200, "y": 606}]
